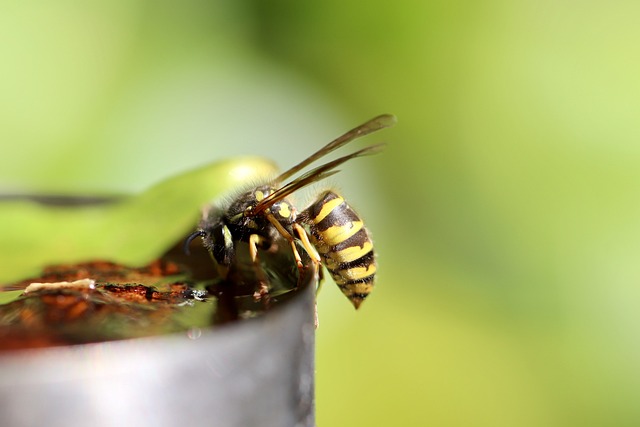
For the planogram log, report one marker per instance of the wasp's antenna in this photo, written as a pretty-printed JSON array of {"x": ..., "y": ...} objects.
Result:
[{"x": 185, "y": 247}]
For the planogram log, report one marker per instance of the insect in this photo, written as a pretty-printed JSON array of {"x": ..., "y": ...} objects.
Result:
[{"x": 328, "y": 230}]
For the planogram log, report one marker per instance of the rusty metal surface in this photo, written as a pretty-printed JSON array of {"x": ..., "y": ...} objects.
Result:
[{"x": 258, "y": 372}]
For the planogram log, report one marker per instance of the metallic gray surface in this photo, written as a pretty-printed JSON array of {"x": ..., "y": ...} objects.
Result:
[{"x": 258, "y": 372}]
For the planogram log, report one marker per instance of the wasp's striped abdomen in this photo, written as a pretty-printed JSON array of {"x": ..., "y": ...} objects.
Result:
[{"x": 343, "y": 244}]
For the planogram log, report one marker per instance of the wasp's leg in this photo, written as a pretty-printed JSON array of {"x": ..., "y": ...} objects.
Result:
[
  {"x": 308, "y": 247},
  {"x": 316, "y": 319},
  {"x": 284, "y": 233},
  {"x": 310, "y": 250},
  {"x": 306, "y": 244},
  {"x": 263, "y": 291},
  {"x": 320, "y": 281}
]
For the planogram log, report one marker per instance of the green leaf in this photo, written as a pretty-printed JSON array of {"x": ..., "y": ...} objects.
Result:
[
  {"x": 134, "y": 231},
  {"x": 9, "y": 296}
]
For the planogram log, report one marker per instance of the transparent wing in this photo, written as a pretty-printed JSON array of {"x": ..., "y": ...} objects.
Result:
[
  {"x": 314, "y": 175},
  {"x": 375, "y": 124}
]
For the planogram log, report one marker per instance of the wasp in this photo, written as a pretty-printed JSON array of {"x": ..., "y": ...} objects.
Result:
[{"x": 329, "y": 230}]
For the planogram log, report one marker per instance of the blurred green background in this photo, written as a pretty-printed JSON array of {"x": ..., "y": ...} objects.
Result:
[{"x": 505, "y": 209}]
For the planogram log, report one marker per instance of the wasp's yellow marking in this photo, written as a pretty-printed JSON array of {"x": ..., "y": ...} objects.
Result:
[
  {"x": 339, "y": 233},
  {"x": 284, "y": 233},
  {"x": 333, "y": 262},
  {"x": 254, "y": 241},
  {"x": 321, "y": 247},
  {"x": 357, "y": 288},
  {"x": 356, "y": 273},
  {"x": 259, "y": 195},
  {"x": 228, "y": 238},
  {"x": 356, "y": 292},
  {"x": 284, "y": 211},
  {"x": 327, "y": 208},
  {"x": 306, "y": 244},
  {"x": 351, "y": 253}
]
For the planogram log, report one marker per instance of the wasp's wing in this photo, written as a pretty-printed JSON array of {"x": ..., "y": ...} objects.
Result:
[
  {"x": 317, "y": 174},
  {"x": 375, "y": 124}
]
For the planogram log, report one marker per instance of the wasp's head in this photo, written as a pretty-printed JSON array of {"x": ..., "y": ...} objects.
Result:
[{"x": 240, "y": 212}]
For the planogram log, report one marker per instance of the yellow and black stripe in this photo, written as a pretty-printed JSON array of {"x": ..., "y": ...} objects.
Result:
[{"x": 343, "y": 244}]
